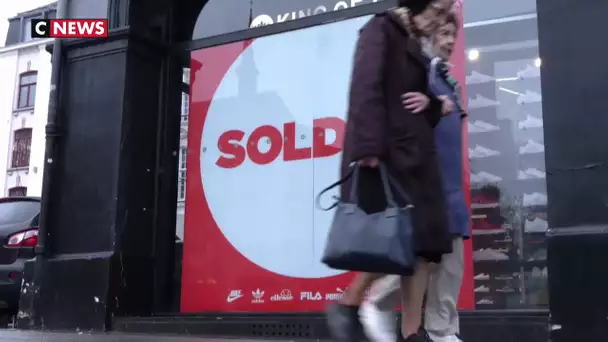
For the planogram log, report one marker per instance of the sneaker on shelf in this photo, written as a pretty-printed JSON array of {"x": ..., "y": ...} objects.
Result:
[
  {"x": 532, "y": 147},
  {"x": 537, "y": 225},
  {"x": 479, "y": 126},
  {"x": 482, "y": 276},
  {"x": 478, "y": 78},
  {"x": 531, "y": 122},
  {"x": 534, "y": 199},
  {"x": 483, "y": 227},
  {"x": 485, "y": 301},
  {"x": 529, "y": 97},
  {"x": 489, "y": 254},
  {"x": 531, "y": 173},
  {"x": 481, "y": 102},
  {"x": 378, "y": 325},
  {"x": 506, "y": 289},
  {"x": 484, "y": 177},
  {"x": 482, "y": 152},
  {"x": 505, "y": 277},
  {"x": 482, "y": 289}
]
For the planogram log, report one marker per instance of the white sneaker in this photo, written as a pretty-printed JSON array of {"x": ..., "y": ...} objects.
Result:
[
  {"x": 481, "y": 102},
  {"x": 449, "y": 338},
  {"x": 482, "y": 276},
  {"x": 532, "y": 147},
  {"x": 479, "y": 126},
  {"x": 478, "y": 78},
  {"x": 379, "y": 325},
  {"x": 529, "y": 97}
]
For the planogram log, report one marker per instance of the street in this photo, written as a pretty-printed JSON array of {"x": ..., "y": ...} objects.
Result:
[{"x": 15, "y": 335}]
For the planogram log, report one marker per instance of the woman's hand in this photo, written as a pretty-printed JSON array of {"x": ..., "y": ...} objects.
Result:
[
  {"x": 372, "y": 162},
  {"x": 447, "y": 106},
  {"x": 415, "y": 102}
]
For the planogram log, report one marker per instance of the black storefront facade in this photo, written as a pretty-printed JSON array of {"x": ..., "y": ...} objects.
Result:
[{"x": 110, "y": 261}]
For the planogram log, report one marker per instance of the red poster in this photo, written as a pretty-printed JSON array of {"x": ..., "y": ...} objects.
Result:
[{"x": 265, "y": 130}]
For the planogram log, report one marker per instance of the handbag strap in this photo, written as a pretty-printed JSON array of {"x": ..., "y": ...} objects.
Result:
[
  {"x": 386, "y": 178},
  {"x": 339, "y": 182}
]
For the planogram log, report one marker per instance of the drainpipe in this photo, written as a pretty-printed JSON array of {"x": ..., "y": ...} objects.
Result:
[{"x": 52, "y": 133}]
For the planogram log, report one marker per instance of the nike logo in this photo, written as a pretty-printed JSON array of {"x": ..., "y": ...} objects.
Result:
[{"x": 232, "y": 298}]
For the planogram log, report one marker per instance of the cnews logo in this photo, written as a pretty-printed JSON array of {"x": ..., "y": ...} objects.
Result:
[{"x": 69, "y": 28}]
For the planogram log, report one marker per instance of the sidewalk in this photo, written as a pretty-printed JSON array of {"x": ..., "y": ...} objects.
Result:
[{"x": 18, "y": 336}]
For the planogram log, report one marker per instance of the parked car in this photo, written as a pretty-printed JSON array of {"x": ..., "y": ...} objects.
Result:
[{"x": 19, "y": 217}]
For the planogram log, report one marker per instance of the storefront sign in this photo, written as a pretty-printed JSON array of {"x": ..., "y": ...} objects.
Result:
[
  {"x": 269, "y": 19},
  {"x": 265, "y": 136}
]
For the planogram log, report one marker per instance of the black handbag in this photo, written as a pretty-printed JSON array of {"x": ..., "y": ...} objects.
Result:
[{"x": 377, "y": 243}]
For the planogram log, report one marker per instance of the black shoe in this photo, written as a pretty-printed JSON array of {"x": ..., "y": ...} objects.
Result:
[
  {"x": 343, "y": 322},
  {"x": 423, "y": 333},
  {"x": 421, "y": 336}
]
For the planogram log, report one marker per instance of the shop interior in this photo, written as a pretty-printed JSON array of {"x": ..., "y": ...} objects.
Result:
[{"x": 507, "y": 164}]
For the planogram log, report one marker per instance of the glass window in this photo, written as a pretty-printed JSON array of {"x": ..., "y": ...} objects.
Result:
[
  {"x": 22, "y": 144},
  {"x": 19, "y": 211},
  {"x": 27, "y": 90},
  {"x": 18, "y": 191},
  {"x": 506, "y": 153},
  {"x": 259, "y": 129}
]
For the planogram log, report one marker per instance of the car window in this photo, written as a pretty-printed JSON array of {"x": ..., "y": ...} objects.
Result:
[{"x": 18, "y": 212}]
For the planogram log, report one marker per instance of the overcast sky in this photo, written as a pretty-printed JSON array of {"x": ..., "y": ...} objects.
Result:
[{"x": 10, "y": 8}]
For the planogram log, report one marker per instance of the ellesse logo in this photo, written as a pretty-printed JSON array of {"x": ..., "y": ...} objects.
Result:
[{"x": 284, "y": 296}]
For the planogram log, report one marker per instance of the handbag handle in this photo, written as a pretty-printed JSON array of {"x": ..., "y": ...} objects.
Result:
[
  {"x": 388, "y": 193},
  {"x": 353, "y": 197}
]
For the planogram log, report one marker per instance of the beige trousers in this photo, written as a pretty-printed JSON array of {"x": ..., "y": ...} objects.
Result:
[{"x": 441, "y": 313}]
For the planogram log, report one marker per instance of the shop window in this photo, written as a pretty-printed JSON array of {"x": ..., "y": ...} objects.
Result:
[
  {"x": 185, "y": 97},
  {"x": 507, "y": 164},
  {"x": 181, "y": 187},
  {"x": 27, "y": 89},
  {"x": 185, "y": 108},
  {"x": 18, "y": 191},
  {"x": 22, "y": 144}
]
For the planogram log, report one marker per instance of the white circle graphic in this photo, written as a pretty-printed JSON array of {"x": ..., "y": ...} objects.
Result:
[{"x": 266, "y": 207}]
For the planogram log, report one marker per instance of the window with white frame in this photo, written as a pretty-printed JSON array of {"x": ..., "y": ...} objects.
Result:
[{"x": 27, "y": 89}]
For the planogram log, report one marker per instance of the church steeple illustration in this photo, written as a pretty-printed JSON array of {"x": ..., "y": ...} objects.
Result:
[{"x": 247, "y": 71}]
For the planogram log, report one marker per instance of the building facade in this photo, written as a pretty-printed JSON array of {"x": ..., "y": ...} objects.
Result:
[
  {"x": 24, "y": 106},
  {"x": 265, "y": 112},
  {"x": 26, "y": 66}
]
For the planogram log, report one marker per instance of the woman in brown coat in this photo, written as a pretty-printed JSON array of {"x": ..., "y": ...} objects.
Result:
[{"x": 390, "y": 67}]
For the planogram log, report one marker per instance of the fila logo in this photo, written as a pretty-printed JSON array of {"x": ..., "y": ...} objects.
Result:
[
  {"x": 310, "y": 296},
  {"x": 69, "y": 28}
]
